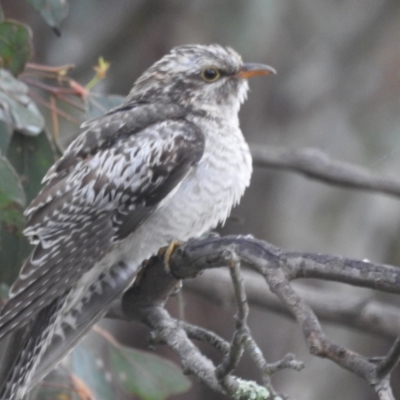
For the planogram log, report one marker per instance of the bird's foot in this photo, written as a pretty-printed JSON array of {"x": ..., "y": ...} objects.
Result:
[{"x": 166, "y": 253}]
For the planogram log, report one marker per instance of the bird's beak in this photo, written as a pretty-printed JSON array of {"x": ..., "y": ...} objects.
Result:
[{"x": 249, "y": 70}]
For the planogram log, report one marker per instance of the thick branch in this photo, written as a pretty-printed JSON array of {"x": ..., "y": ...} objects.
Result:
[
  {"x": 197, "y": 255},
  {"x": 315, "y": 164}
]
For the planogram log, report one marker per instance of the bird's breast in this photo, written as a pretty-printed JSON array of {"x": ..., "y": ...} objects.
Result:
[{"x": 204, "y": 198}]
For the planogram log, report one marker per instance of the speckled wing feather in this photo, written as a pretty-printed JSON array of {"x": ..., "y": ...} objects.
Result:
[
  {"x": 97, "y": 195},
  {"x": 103, "y": 131}
]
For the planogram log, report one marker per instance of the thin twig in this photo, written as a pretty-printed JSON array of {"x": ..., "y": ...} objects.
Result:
[
  {"x": 231, "y": 360},
  {"x": 54, "y": 118},
  {"x": 287, "y": 362},
  {"x": 61, "y": 113},
  {"x": 206, "y": 336},
  {"x": 49, "y": 88},
  {"x": 391, "y": 359},
  {"x": 48, "y": 68},
  {"x": 72, "y": 103}
]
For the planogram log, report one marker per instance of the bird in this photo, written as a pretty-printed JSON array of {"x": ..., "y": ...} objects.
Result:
[{"x": 166, "y": 165}]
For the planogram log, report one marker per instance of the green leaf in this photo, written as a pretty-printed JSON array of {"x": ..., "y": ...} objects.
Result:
[
  {"x": 53, "y": 11},
  {"x": 5, "y": 137},
  {"x": 15, "y": 46},
  {"x": 31, "y": 157},
  {"x": 11, "y": 190},
  {"x": 85, "y": 367},
  {"x": 146, "y": 375},
  {"x": 110, "y": 370},
  {"x": 12, "y": 199},
  {"x": 97, "y": 105},
  {"x": 16, "y": 107}
]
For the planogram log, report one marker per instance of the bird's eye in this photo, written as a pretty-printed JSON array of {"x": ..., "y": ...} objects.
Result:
[{"x": 210, "y": 74}]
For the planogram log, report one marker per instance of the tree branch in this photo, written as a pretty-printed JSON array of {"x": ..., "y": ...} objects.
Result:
[
  {"x": 360, "y": 312},
  {"x": 390, "y": 361},
  {"x": 315, "y": 164},
  {"x": 144, "y": 301},
  {"x": 146, "y": 298}
]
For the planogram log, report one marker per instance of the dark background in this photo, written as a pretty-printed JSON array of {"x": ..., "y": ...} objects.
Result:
[{"x": 337, "y": 89}]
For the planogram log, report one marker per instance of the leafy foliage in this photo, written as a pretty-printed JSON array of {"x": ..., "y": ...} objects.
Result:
[
  {"x": 15, "y": 46},
  {"x": 11, "y": 190},
  {"x": 146, "y": 375},
  {"x": 123, "y": 372},
  {"x": 85, "y": 367},
  {"x": 100, "y": 368},
  {"x": 5, "y": 136},
  {"x": 12, "y": 195},
  {"x": 16, "y": 108},
  {"x": 30, "y": 157}
]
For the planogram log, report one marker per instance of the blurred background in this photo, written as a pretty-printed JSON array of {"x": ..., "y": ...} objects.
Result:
[{"x": 337, "y": 89}]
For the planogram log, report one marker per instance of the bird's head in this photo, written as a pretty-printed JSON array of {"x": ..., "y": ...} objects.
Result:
[{"x": 210, "y": 78}]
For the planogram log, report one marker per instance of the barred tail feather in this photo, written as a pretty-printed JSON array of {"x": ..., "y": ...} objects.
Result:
[
  {"x": 34, "y": 344},
  {"x": 59, "y": 327}
]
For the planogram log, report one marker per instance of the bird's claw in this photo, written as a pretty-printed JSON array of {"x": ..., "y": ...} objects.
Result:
[{"x": 166, "y": 253}]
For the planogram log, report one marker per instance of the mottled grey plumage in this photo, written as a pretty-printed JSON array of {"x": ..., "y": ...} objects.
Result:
[{"x": 168, "y": 164}]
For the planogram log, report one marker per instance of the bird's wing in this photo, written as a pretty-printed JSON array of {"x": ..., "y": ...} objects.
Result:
[
  {"x": 101, "y": 132},
  {"x": 94, "y": 202}
]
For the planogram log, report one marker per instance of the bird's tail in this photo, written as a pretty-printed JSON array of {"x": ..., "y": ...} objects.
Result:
[
  {"x": 25, "y": 349},
  {"x": 59, "y": 327}
]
